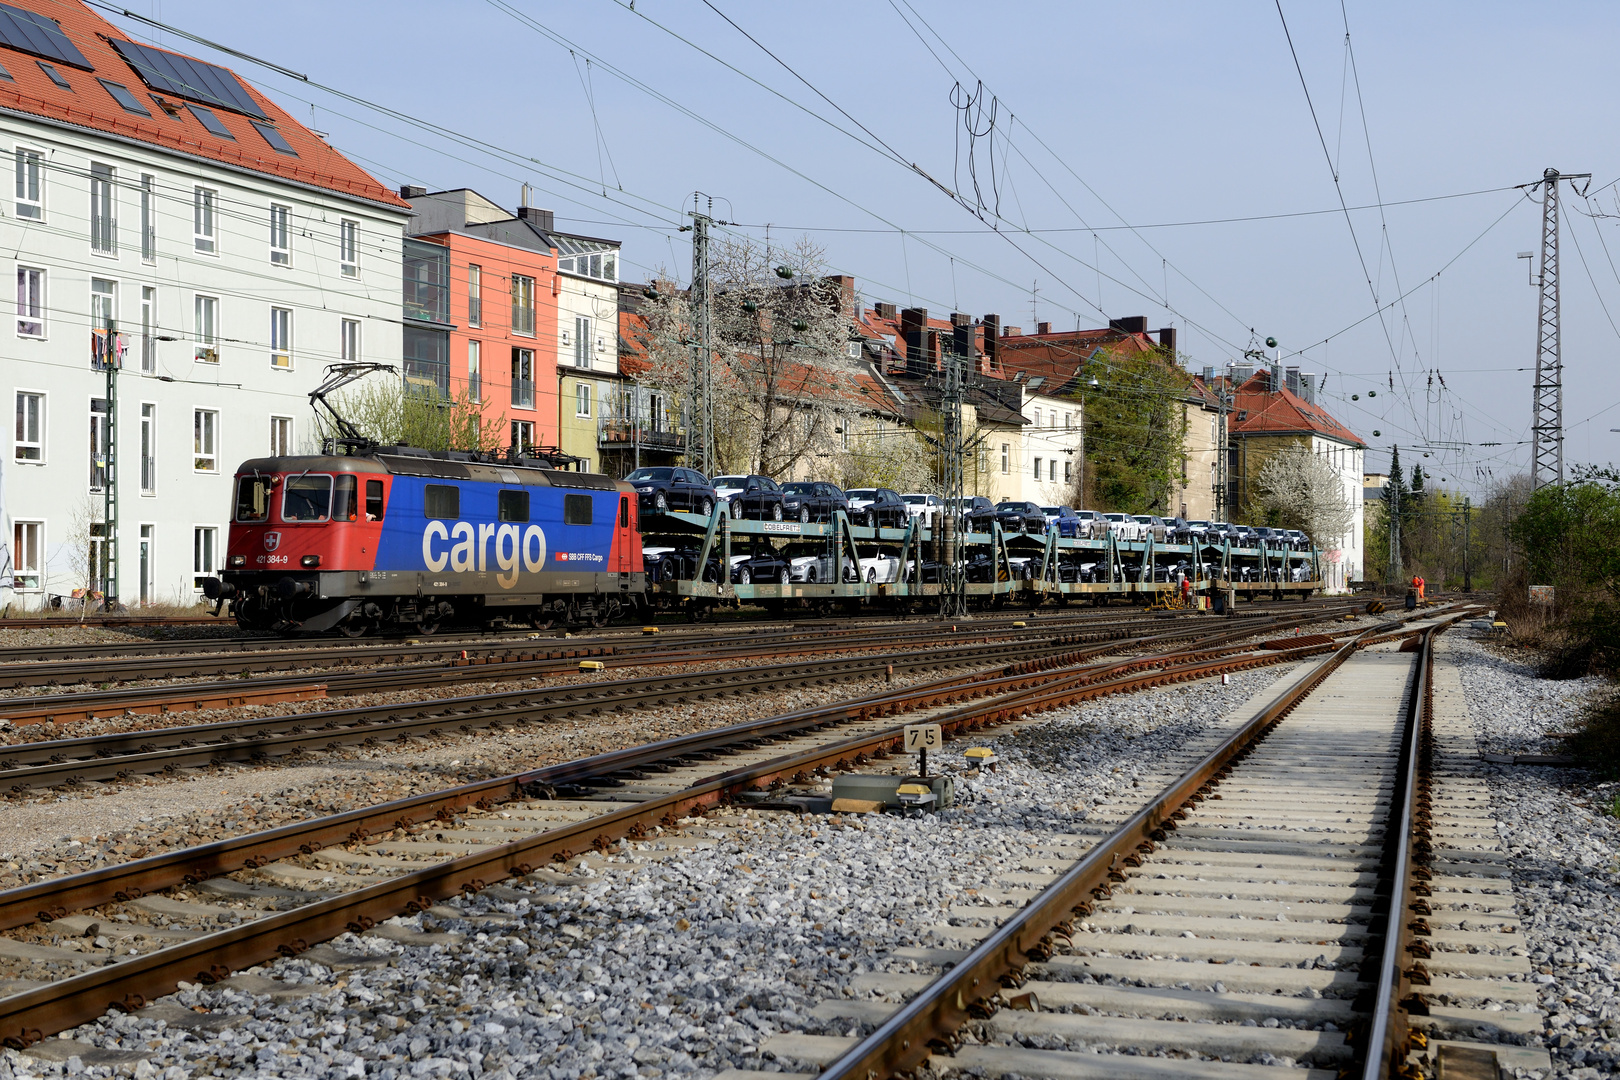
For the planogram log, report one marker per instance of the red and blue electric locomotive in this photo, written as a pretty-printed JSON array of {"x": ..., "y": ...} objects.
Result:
[{"x": 401, "y": 538}]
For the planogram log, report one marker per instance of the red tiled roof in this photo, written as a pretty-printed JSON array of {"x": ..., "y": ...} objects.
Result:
[
  {"x": 89, "y": 105},
  {"x": 1259, "y": 411}
]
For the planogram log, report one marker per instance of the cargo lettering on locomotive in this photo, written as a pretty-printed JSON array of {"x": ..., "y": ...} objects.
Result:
[{"x": 465, "y": 547}]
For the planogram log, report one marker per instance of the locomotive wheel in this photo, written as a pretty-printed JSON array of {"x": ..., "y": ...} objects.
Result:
[
  {"x": 541, "y": 622},
  {"x": 776, "y": 512},
  {"x": 427, "y": 626},
  {"x": 356, "y": 628}
]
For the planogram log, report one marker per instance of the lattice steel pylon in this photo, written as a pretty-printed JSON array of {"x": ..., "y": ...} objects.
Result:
[{"x": 1547, "y": 428}]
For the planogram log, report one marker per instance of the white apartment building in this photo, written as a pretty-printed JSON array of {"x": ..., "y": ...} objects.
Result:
[
  {"x": 232, "y": 253},
  {"x": 587, "y": 338},
  {"x": 1039, "y": 461}
]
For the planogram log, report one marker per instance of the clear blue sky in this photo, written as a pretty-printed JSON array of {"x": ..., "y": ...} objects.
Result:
[{"x": 1172, "y": 112}]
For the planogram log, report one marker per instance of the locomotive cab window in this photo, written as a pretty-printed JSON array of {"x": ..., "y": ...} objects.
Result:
[
  {"x": 253, "y": 498},
  {"x": 374, "y": 500},
  {"x": 442, "y": 501},
  {"x": 307, "y": 498},
  {"x": 514, "y": 505},
  {"x": 345, "y": 499},
  {"x": 576, "y": 509}
]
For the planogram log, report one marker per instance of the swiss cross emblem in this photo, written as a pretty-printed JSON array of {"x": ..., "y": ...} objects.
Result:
[{"x": 272, "y": 540}]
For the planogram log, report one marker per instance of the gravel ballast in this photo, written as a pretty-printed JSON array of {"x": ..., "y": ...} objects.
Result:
[
  {"x": 1558, "y": 828},
  {"x": 670, "y": 959}
]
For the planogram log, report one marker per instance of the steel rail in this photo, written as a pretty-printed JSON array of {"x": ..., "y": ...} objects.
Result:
[
  {"x": 930, "y": 1020},
  {"x": 25, "y": 1017},
  {"x": 1389, "y": 1036}
]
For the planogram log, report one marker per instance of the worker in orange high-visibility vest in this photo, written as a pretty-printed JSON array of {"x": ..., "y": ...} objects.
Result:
[{"x": 1417, "y": 583}]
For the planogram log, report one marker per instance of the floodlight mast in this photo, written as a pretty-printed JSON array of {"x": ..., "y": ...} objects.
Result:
[{"x": 348, "y": 439}]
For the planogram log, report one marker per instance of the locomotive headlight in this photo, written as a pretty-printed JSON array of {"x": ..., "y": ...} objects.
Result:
[
  {"x": 310, "y": 562},
  {"x": 238, "y": 561}
]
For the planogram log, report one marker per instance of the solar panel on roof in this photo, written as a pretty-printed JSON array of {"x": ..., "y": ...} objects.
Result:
[
  {"x": 188, "y": 78},
  {"x": 33, "y": 33},
  {"x": 207, "y": 119},
  {"x": 276, "y": 139}
]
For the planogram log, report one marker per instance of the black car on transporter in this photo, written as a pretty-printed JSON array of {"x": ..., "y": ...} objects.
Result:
[
  {"x": 818, "y": 500},
  {"x": 661, "y": 490}
]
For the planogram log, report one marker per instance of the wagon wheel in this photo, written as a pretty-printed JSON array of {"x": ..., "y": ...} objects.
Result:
[
  {"x": 355, "y": 627},
  {"x": 427, "y": 626}
]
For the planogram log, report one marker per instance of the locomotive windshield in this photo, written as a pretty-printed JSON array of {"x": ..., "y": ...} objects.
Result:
[
  {"x": 253, "y": 498},
  {"x": 307, "y": 498}
]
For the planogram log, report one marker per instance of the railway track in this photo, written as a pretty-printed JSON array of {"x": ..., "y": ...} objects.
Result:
[
  {"x": 120, "y": 756},
  {"x": 241, "y": 901},
  {"x": 36, "y": 667},
  {"x": 517, "y": 664},
  {"x": 1311, "y": 897}
]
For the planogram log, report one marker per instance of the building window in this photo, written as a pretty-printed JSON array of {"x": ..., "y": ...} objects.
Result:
[
  {"x": 523, "y": 378},
  {"x": 522, "y": 436},
  {"x": 30, "y": 185},
  {"x": 601, "y": 265},
  {"x": 98, "y": 444},
  {"x": 103, "y": 304},
  {"x": 1051, "y": 470},
  {"x": 202, "y": 220},
  {"x": 349, "y": 340},
  {"x": 427, "y": 359},
  {"x": 582, "y": 342},
  {"x": 1037, "y": 468},
  {"x": 205, "y": 315},
  {"x": 349, "y": 248},
  {"x": 475, "y": 295},
  {"x": 1006, "y": 458},
  {"x": 523, "y": 305},
  {"x": 281, "y": 338},
  {"x": 148, "y": 330},
  {"x": 148, "y": 565},
  {"x": 281, "y": 436},
  {"x": 1068, "y": 421},
  {"x": 1037, "y": 417},
  {"x": 475, "y": 374},
  {"x": 30, "y": 443},
  {"x": 1068, "y": 471},
  {"x": 582, "y": 399},
  {"x": 148, "y": 448},
  {"x": 148, "y": 217},
  {"x": 27, "y": 555},
  {"x": 205, "y": 440},
  {"x": 30, "y": 302},
  {"x": 103, "y": 211},
  {"x": 204, "y": 551},
  {"x": 280, "y": 249}
]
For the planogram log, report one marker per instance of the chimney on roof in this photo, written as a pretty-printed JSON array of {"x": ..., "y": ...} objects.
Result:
[
  {"x": 885, "y": 311},
  {"x": 545, "y": 220},
  {"x": 1043, "y": 328},
  {"x": 1131, "y": 324},
  {"x": 961, "y": 335},
  {"x": 523, "y": 195},
  {"x": 1307, "y": 386},
  {"x": 1167, "y": 339},
  {"x": 846, "y": 293},
  {"x": 992, "y": 348},
  {"x": 1209, "y": 374},
  {"x": 412, "y": 191},
  {"x": 1012, "y": 331},
  {"x": 913, "y": 323},
  {"x": 1291, "y": 380},
  {"x": 1276, "y": 377},
  {"x": 1242, "y": 373}
]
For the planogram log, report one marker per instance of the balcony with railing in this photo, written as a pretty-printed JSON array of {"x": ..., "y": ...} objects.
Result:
[
  {"x": 427, "y": 282},
  {"x": 522, "y": 393},
  {"x": 650, "y": 427}
]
